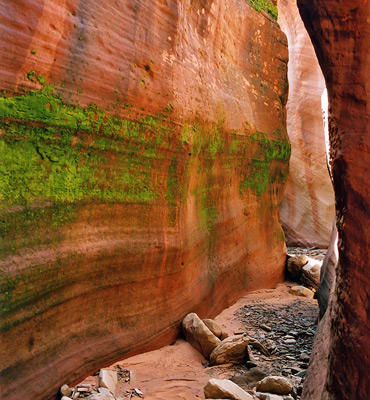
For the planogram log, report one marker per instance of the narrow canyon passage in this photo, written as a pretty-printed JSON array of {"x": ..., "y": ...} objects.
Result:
[{"x": 147, "y": 152}]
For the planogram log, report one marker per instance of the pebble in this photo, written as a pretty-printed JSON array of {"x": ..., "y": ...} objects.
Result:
[
  {"x": 304, "y": 357},
  {"x": 301, "y": 374},
  {"x": 265, "y": 327},
  {"x": 290, "y": 341}
]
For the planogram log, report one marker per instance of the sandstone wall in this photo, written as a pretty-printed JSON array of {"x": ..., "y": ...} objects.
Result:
[
  {"x": 307, "y": 210},
  {"x": 340, "y": 31},
  {"x": 144, "y": 156}
]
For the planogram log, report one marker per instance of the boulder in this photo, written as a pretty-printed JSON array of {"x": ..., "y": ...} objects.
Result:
[
  {"x": 198, "y": 335},
  {"x": 213, "y": 326},
  {"x": 108, "y": 379},
  {"x": 225, "y": 389},
  {"x": 301, "y": 291},
  {"x": 294, "y": 266},
  {"x": 275, "y": 385},
  {"x": 233, "y": 350},
  {"x": 310, "y": 273}
]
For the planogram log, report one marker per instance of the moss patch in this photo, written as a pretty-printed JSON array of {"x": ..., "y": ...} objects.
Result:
[{"x": 266, "y": 6}]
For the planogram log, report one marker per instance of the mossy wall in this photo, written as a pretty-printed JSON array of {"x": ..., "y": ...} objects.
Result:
[{"x": 140, "y": 178}]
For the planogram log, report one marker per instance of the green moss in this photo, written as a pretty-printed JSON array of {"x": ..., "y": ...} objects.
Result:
[
  {"x": 259, "y": 172},
  {"x": 51, "y": 161},
  {"x": 265, "y": 5}
]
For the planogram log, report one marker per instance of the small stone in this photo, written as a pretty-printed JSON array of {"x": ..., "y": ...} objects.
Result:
[
  {"x": 301, "y": 374},
  {"x": 275, "y": 385},
  {"x": 301, "y": 291},
  {"x": 66, "y": 398},
  {"x": 108, "y": 379},
  {"x": 268, "y": 396},
  {"x": 100, "y": 396},
  {"x": 304, "y": 357},
  {"x": 65, "y": 390},
  {"x": 265, "y": 328},
  {"x": 213, "y": 326},
  {"x": 250, "y": 364},
  {"x": 295, "y": 370},
  {"x": 290, "y": 341},
  {"x": 225, "y": 389}
]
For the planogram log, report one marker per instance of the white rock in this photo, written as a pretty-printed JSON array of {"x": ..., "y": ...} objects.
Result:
[
  {"x": 108, "y": 379},
  {"x": 66, "y": 398},
  {"x": 225, "y": 389}
]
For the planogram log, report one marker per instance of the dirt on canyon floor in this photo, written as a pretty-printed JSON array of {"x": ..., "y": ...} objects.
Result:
[{"x": 285, "y": 324}]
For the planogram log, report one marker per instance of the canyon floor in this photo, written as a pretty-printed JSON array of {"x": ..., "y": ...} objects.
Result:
[{"x": 284, "y": 323}]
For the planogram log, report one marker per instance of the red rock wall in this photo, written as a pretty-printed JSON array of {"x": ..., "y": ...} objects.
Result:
[
  {"x": 144, "y": 159},
  {"x": 340, "y": 32},
  {"x": 307, "y": 210}
]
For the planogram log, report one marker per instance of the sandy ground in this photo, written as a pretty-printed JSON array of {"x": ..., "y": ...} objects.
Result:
[{"x": 176, "y": 371}]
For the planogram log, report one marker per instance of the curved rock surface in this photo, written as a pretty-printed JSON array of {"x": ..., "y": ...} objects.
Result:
[
  {"x": 340, "y": 32},
  {"x": 307, "y": 210},
  {"x": 144, "y": 156}
]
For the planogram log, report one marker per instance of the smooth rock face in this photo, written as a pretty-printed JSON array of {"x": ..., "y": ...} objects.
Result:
[
  {"x": 198, "y": 335},
  {"x": 340, "y": 32},
  {"x": 232, "y": 350},
  {"x": 225, "y": 389},
  {"x": 275, "y": 385},
  {"x": 307, "y": 210},
  {"x": 145, "y": 186}
]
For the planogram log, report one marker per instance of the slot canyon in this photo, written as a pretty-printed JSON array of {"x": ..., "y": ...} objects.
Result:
[{"x": 161, "y": 158}]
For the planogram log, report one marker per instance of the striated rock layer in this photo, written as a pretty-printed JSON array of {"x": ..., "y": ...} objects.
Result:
[
  {"x": 144, "y": 155},
  {"x": 340, "y": 32},
  {"x": 307, "y": 209}
]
